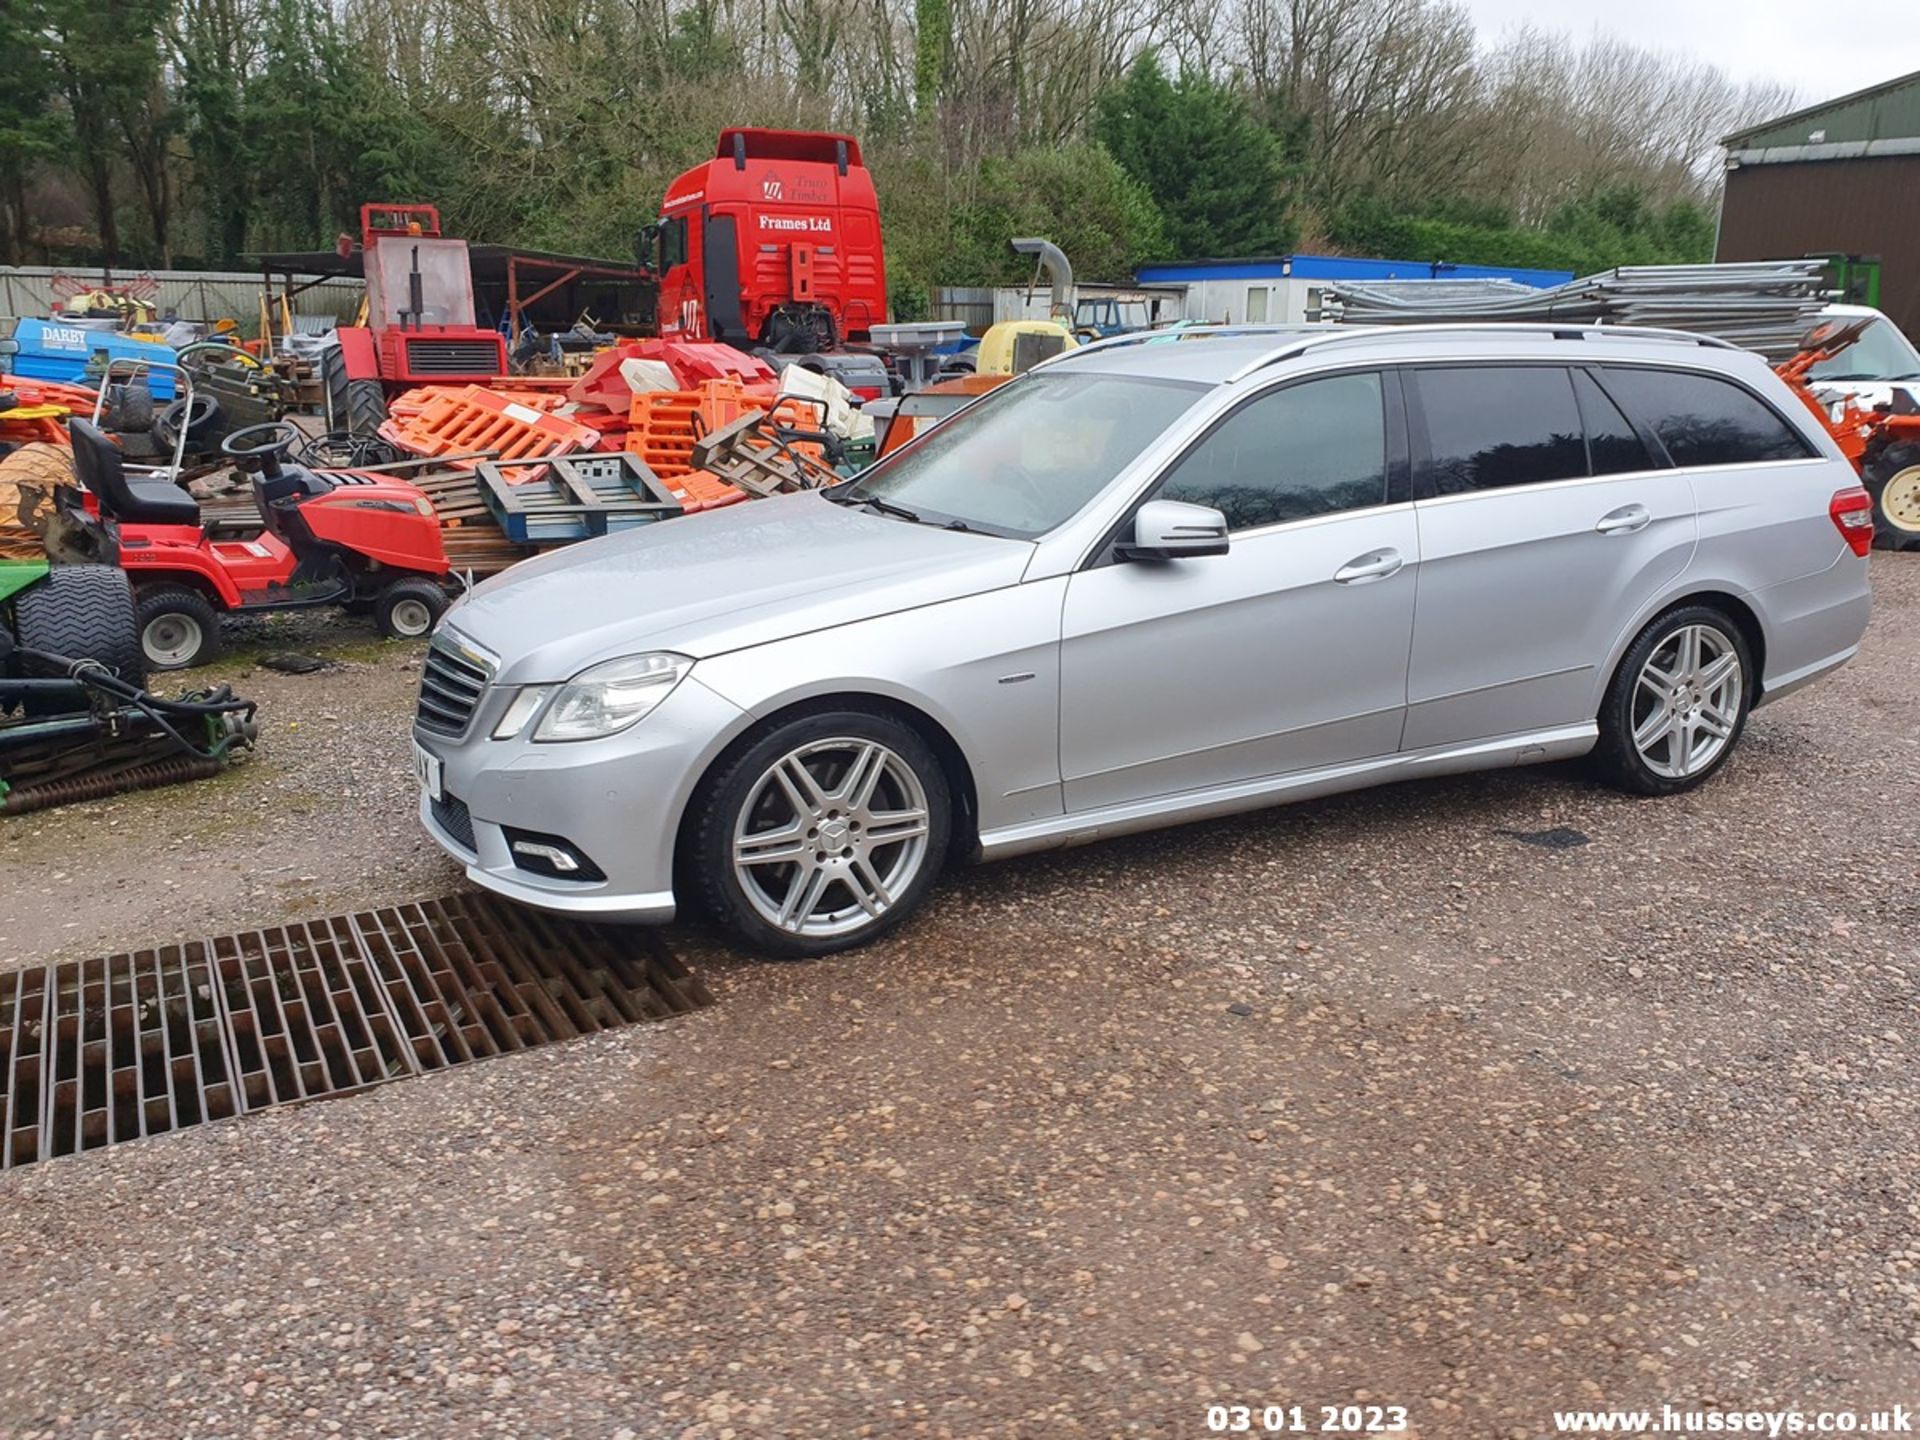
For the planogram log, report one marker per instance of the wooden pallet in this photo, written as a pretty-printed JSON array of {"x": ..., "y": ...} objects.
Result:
[{"x": 576, "y": 497}]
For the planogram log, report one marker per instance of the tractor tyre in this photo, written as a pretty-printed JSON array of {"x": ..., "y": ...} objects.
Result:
[
  {"x": 358, "y": 407},
  {"x": 1892, "y": 478},
  {"x": 409, "y": 608},
  {"x": 43, "y": 467},
  {"x": 178, "y": 627},
  {"x": 84, "y": 612}
]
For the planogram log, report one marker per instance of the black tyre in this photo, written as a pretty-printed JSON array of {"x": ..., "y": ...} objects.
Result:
[
  {"x": 179, "y": 628},
  {"x": 1893, "y": 480},
  {"x": 205, "y": 422},
  {"x": 358, "y": 407},
  {"x": 821, "y": 834},
  {"x": 1678, "y": 703},
  {"x": 84, "y": 612},
  {"x": 409, "y": 608}
]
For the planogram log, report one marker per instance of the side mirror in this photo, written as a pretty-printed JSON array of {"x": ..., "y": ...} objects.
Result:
[
  {"x": 645, "y": 247},
  {"x": 1174, "y": 530}
]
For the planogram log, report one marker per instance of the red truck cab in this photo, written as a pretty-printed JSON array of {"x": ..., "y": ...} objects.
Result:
[{"x": 775, "y": 241}]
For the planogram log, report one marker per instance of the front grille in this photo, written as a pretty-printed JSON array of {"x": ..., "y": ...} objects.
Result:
[
  {"x": 452, "y": 357},
  {"x": 450, "y": 813},
  {"x": 451, "y": 684}
]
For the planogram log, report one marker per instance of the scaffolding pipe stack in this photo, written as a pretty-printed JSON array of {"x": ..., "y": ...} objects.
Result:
[{"x": 1765, "y": 306}]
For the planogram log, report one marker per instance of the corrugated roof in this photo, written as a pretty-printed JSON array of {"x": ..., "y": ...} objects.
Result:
[{"x": 1887, "y": 111}]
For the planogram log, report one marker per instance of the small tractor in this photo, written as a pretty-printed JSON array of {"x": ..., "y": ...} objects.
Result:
[
  {"x": 420, "y": 327},
  {"x": 1883, "y": 443}
]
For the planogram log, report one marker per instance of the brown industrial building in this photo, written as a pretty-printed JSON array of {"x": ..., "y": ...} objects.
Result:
[{"x": 1841, "y": 179}]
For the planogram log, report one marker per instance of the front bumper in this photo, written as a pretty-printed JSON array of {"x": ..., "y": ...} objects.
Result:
[{"x": 617, "y": 800}]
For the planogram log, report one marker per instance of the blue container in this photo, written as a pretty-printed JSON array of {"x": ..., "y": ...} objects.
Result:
[{"x": 50, "y": 350}]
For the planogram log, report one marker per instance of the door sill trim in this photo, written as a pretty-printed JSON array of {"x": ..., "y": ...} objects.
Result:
[{"x": 1058, "y": 832}]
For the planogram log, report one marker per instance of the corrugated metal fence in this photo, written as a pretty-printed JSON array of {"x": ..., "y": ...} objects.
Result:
[
  {"x": 971, "y": 303},
  {"x": 28, "y": 290}
]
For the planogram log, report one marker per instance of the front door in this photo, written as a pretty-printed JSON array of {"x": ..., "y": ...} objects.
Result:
[{"x": 1285, "y": 654}]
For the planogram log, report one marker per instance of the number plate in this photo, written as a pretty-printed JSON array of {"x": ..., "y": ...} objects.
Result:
[{"x": 426, "y": 766}]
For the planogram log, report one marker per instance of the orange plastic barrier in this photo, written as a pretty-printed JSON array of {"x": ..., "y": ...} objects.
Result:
[{"x": 516, "y": 427}]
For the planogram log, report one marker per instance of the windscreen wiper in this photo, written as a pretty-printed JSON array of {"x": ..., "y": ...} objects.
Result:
[{"x": 887, "y": 507}]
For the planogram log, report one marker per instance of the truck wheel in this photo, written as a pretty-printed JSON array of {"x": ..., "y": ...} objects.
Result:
[
  {"x": 1893, "y": 480},
  {"x": 409, "y": 608},
  {"x": 179, "y": 628},
  {"x": 84, "y": 612},
  {"x": 358, "y": 407}
]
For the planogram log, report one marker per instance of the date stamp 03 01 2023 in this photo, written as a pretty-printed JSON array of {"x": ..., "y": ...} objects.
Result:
[{"x": 1306, "y": 1419}]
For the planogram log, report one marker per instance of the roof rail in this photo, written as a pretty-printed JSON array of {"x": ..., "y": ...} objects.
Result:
[
  {"x": 1578, "y": 330},
  {"x": 1298, "y": 339},
  {"x": 1171, "y": 333}
]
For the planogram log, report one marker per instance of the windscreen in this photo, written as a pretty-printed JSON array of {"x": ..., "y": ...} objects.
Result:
[
  {"x": 1031, "y": 454},
  {"x": 1881, "y": 353},
  {"x": 446, "y": 281}
]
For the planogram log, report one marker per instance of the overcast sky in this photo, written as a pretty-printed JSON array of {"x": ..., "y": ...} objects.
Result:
[{"x": 1822, "y": 51}]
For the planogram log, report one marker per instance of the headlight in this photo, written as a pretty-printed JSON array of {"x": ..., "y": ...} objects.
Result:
[{"x": 608, "y": 698}]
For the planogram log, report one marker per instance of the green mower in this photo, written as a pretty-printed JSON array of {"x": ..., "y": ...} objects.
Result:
[{"x": 76, "y": 722}]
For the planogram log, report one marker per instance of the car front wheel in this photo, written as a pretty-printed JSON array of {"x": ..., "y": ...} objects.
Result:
[
  {"x": 823, "y": 834},
  {"x": 1677, "y": 704}
]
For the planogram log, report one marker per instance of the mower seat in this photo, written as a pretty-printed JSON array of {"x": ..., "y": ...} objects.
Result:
[{"x": 98, "y": 462}]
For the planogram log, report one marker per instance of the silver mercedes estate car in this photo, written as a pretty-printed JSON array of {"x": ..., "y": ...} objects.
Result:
[{"x": 1151, "y": 581}]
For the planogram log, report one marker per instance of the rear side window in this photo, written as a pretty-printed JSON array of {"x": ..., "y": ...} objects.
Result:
[
  {"x": 1704, "y": 420},
  {"x": 1493, "y": 426},
  {"x": 1612, "y": 446},
  {"x": 1310, "y": 449}
]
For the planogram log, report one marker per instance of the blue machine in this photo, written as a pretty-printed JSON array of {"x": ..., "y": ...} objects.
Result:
[{"x": 54, "y": 350}]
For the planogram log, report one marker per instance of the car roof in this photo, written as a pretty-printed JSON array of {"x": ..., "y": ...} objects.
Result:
[{"x": 1216, "y": 355}]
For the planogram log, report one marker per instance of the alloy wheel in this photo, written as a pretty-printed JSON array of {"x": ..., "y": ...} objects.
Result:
[
  {"x": 832, "y": 834},
  {"x": 1686, "y": 703}
]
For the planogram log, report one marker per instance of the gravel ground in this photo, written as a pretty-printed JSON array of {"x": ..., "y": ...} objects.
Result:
[{"x": 1368, "y": 1099}]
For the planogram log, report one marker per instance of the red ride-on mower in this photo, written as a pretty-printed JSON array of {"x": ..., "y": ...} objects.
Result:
[{"x": 330, "y": 539}]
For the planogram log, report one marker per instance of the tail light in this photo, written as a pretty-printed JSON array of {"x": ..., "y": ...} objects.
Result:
[
  {"x": 1852, "y": 512},
  {"x": 867, "y": 392}
]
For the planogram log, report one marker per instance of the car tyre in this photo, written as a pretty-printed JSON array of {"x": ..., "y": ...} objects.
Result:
[
  {"x": 1677, "y": 704},
  {"x": 821, "y": 834},
  {"x": 179, "y": 628}
]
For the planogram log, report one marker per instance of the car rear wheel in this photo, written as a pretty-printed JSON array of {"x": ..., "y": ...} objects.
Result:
[
  {"x": 1677, "y": 704},
  {"x": 822, "y": 835}
]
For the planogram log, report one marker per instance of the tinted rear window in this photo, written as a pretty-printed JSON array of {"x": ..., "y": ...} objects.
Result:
[
  {"x": 1704, "y": 420},
  {"x": 1492, "y": 426},
  {"x": 1611, "y": 442}
]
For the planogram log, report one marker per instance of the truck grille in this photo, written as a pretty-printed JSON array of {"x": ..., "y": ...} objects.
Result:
[
  {"x": 452, "y": 357},
  {"x": 451, "y": 684}
]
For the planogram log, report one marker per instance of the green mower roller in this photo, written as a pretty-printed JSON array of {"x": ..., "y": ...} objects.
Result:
[{"x": 76, "y": 722}]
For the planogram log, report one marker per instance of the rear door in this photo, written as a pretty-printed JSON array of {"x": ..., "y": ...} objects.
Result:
[
  {"x": 1287, "y": 653},
  {"x": 1545, "y": 523}
]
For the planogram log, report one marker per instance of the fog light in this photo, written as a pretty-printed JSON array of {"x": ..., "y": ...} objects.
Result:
[{"x": 551, "y": 856}]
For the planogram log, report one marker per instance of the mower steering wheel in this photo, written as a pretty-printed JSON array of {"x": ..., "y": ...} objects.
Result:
[{"x": 257, "y": 445}]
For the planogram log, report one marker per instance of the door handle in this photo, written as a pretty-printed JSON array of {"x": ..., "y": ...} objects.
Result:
[
  {"x": 1624, "y": 521},
  {"x": 1374, "y": 565}
]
